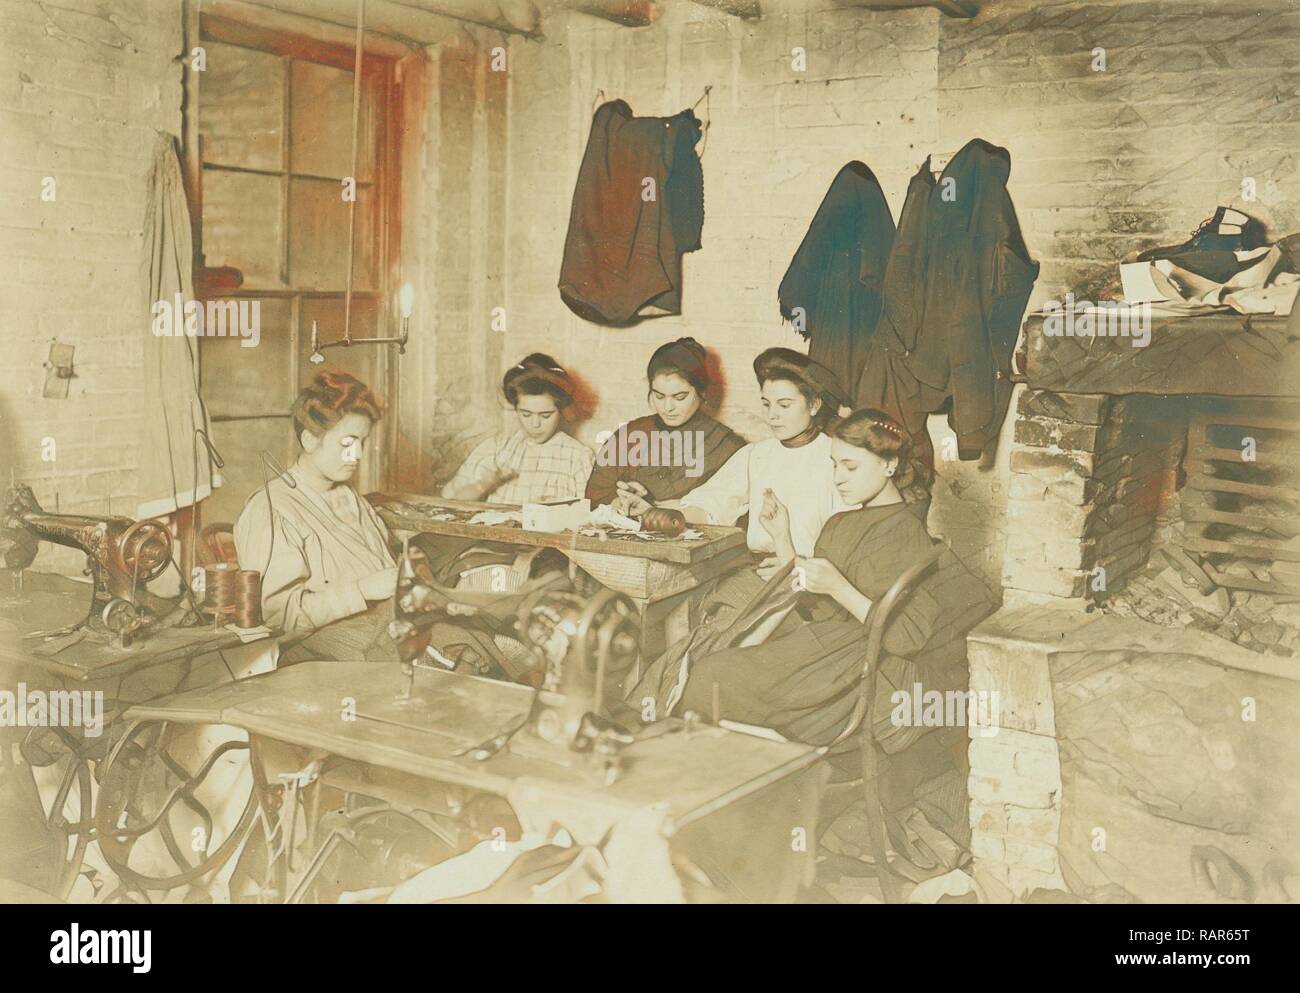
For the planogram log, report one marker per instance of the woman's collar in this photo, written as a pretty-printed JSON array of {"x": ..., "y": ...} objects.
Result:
[{"x": 805, "y": 437}]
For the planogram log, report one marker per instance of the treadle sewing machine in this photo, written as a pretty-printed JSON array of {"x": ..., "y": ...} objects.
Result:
[
  {"x": 365, "y": 776},
  {"x": 124, "y": 646},
  {"x": 122, "y": 556},
  {"x": 582, "y": 651}
]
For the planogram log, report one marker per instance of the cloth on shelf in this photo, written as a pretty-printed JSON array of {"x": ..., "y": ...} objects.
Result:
[
  {"x": 1265, "y": 283},
  {"x": 956, "y": 285},
  {"x": 1225, "y": 265},
  {"x": 837, "y": 274},
  {"x": 638, "y": 206}
]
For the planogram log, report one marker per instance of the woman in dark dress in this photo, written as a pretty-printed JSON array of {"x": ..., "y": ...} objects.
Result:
[
  {"x": 680, "y": 384},
  {"x": 803, "y": 679}
]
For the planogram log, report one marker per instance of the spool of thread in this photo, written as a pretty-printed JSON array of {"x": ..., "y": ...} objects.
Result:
[
  {"x": 663, "y": 521},
  {"x": 248, "y": 593},
  {"x": 233, "y": 595},
  {"x": 219, "y": 587}
]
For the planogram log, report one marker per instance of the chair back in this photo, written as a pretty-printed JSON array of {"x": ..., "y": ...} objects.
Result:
[
  {"x": 216, "y": 545},
  {"x": 882, "y": 612},
  {"x": 877, "y": 622}
]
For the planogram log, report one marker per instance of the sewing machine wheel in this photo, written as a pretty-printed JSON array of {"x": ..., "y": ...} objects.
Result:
[
  {"x": 118, "y": 615},
  {"x": 609, "y": 624},
  {"x": 140, "y": 785},
  {"x": 144, "y": 550}
]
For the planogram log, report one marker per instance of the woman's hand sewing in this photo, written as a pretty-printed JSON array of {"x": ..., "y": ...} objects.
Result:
[
  {"x": 775, "y": 519},
  {"x": 820, "y": 576},
  {"x": 632, "y": 499}
]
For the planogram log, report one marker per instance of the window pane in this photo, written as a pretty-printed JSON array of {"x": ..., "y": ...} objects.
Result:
[
  {"x": 241, "y": 225},
  {"x": 242, "y": 97},
  {"x": 322, "y": 122},
  {"x": 318, "y": 236},
  {"x": 252, "y": 379}
]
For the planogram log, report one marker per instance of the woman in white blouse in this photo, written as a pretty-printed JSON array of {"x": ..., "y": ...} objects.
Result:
[
  {"x": 537, "y": 461},
  {"x": 785, "y": 482}
]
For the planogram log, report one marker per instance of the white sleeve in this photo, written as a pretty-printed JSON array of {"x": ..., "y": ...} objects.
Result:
[
  {"x": 725, "y": 496},
  {"x": 478, "y": 467},
  {"x": 270, "y": 543}
]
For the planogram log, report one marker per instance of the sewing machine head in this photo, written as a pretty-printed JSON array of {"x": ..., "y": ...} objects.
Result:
[
  {"x": 588, "y": 647},
  {"x": 583, "y": 649},
  {"x": 122, "y": 555}
]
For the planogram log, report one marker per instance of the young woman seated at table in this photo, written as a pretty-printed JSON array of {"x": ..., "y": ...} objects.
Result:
[
  {"x": 803, "y": 679},
  {"x": 537, "y": 461},
  {"x": 322, "y": 550},
  {"x": 800, "y": 399},
  {"x": 698, "y": 444}
]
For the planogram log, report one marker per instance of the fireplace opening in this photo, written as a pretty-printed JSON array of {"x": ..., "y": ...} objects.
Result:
[{"x": 1225, "y": 553}]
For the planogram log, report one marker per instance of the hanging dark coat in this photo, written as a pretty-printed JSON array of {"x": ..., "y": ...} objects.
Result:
[
  {"x": 638, "y": 206},
  {"x": 956, "y": 286},
  {"x": 837, "y": 274}
]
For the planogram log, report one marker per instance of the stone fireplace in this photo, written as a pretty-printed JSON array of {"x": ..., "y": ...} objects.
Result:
[{"x": 1145, "y": 656}]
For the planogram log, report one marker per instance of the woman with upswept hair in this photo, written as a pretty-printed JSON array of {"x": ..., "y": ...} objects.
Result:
[
  {"x": 538, "y": 460},
  {"x": 802, "y": 678},
  {"x": 322, "y": 550},
  {"x": 680, "y": 388},
  {"x": 791, "y": 469}
]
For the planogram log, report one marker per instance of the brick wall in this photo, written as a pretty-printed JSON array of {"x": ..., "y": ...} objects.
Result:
[
  {"x": 1195, "y": 98},
  {"x": 776, "y": 140},
  {"x": 83, "y": 88}
]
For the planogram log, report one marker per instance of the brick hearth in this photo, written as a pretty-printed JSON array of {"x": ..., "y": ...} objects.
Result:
[{"x": 1121, "y": 747}]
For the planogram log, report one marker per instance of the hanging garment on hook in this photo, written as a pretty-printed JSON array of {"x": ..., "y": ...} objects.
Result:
[
  {"x": 638, "y": 206},
  {"x": 832, "y": 291},
  {"x": 955, "y": 291}
]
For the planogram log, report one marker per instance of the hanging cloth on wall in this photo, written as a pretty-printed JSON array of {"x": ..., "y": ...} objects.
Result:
[
  {"x": 638, "y": 206},
  {"x": 837, "y": 275},
  {"x": 175, "y": 467},
  {"x": 956, "y": 286}
]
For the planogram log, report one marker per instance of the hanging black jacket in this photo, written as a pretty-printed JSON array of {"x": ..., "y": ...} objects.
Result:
[
  {"x": 837, "y": 274},
  {"x": 623, "y": 252},
  {"x": 956, "y": 286}
]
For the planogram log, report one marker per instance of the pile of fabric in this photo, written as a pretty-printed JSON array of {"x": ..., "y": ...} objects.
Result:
[{"x": 1225, "y": 265}]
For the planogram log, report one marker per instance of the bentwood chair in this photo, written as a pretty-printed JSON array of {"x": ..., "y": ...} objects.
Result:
[
  {"x": 840, "y": 795},
  {"x": 217, "y": 545}
]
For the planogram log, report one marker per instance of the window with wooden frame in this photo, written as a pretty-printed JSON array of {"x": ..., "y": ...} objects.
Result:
[{"x": 273, "y": 116}]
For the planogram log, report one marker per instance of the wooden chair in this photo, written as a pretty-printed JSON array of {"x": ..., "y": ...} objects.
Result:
[
  {"x": 216, "y": 544},
  {"x": 882, "y": 613}
]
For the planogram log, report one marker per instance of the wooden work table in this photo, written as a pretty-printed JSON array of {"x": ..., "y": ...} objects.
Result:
[
  {"x": 654, "y": 574},
  {"x": 688, "y": 779},
  {"x": 48, "y": 602}
]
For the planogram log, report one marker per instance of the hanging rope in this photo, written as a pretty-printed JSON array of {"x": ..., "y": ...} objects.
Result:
[{"x": 352, "y": 205}]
